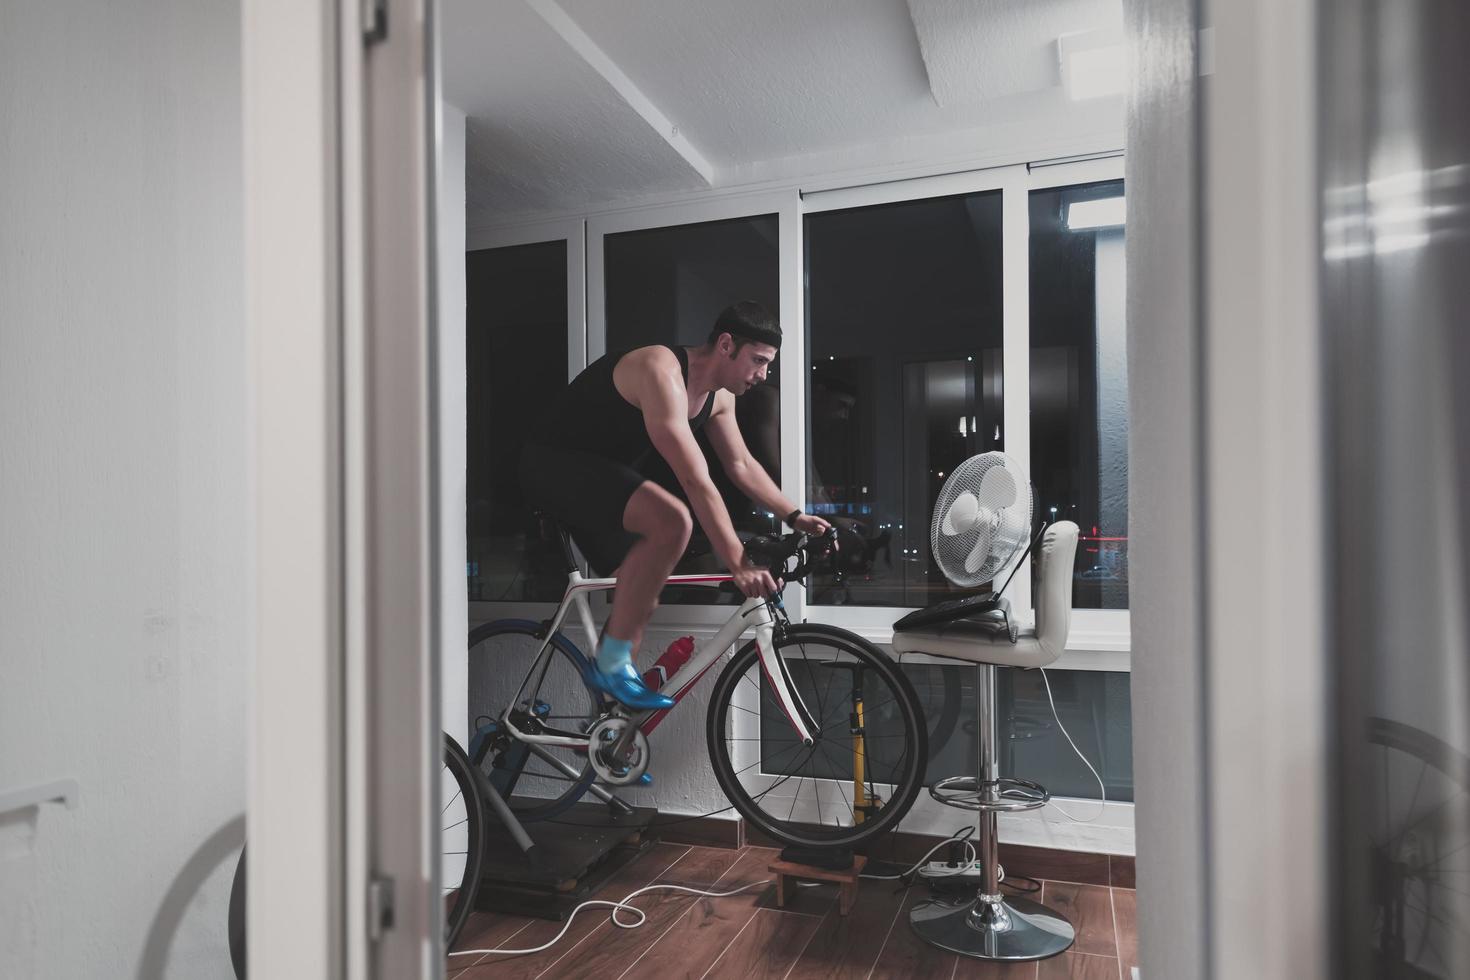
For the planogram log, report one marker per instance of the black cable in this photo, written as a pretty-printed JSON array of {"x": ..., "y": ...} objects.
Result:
[{"x": 1009, "y": 880}]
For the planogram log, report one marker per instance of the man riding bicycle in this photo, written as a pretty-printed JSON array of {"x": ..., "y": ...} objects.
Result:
[{"x": 584, "y": 466}]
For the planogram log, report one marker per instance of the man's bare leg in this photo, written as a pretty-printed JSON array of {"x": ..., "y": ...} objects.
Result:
[{"x": 663, "y": 526}]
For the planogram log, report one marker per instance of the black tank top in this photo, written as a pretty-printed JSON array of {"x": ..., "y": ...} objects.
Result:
[{"x": 590, "y": 416}]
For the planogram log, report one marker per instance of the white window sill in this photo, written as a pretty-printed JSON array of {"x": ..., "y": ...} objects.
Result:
[
  {"x": 1086, "y": 650},
  {"x": 1090, "y": 646}
]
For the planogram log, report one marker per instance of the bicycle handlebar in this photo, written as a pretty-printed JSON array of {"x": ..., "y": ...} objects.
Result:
[{"x": 774, "y": 553}]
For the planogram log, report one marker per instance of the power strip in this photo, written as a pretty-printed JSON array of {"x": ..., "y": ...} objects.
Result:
[{"x": 938, "y": 869}]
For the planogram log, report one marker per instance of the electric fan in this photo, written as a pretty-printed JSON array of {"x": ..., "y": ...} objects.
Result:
[{"x": 982, "y": 520}]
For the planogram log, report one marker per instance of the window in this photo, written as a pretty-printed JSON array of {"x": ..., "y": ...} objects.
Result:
[
  {"x": 667, "y": 286},
  {"x": 905, "y": 333},
  {"x": 916, "y": 347},
  {"x": 515, "y": 356},
  {"x": 1079, "y": 380}
]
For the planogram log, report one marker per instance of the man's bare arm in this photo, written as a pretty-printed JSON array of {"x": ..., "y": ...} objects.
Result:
[
  {"x": 746, "y": 472},
  {"x": 743, "y": 469}
]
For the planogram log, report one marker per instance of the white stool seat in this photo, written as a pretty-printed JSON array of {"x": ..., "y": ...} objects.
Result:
[{"x": 966, "y": 640}]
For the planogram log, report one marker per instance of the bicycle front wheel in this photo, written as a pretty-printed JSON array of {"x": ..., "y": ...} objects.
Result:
[{"x": 866, "y": 764}]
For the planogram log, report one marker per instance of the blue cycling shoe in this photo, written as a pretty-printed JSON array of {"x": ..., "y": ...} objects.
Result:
[{"x": 625, "y": 686}]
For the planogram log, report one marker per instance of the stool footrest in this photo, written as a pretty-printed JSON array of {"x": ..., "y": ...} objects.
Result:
[{"x": 1004, "y": 795}]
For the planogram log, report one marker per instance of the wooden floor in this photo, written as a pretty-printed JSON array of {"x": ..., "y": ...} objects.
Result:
[{"x": 746, "y": 935}]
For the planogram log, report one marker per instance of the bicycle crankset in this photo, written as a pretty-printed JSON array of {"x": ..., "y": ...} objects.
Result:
[{"x": 617, "y": 771}]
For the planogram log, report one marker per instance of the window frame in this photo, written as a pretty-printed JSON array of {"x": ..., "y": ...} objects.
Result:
[
  {"x": 1108, "y": 630},
  {"x": 1100, "y": 639},
  {"x": 574, "y": 233}
]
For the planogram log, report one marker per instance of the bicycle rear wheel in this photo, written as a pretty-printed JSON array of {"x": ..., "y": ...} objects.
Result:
[
  {"x": 510, "y": 661},
  {"x": 461, "y": 837},
  {"x": 866, "y": 764}
]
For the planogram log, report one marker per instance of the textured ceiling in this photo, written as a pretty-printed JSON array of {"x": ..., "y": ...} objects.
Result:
[{"x": 571, "y": 103}]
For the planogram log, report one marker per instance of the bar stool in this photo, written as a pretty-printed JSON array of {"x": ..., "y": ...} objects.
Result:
[{"x": 993, "y": 926}]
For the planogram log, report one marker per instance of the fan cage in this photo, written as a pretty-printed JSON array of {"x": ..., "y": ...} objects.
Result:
[{"x": 1010, "y": 524}]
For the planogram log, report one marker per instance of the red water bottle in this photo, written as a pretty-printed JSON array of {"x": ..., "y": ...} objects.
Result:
[{"x": 675, "y": 657}]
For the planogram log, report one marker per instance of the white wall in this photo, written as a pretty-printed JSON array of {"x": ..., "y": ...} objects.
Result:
[
  {"x": 125, "y": 466},
  {"x": 454, "y": 598}
]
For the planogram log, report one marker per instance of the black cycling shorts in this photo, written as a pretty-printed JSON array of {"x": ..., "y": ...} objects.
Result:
[{"x": 587, "y": 494}]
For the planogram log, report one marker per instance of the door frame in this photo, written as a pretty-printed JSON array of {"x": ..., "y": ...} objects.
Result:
[{"x": 341, "y": 146}]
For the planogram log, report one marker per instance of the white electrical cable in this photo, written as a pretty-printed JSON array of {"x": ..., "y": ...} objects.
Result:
[
  {"x": 1101, "y": 788},
  {"x": 956, "y": 836},
  {"x": 616, "y": 908}
]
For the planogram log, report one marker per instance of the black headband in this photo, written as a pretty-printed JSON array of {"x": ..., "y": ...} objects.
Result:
[{"x": 749, "y": 321}]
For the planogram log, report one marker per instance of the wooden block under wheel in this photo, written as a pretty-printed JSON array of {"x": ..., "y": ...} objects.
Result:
[{"x": 787, "y": 874}]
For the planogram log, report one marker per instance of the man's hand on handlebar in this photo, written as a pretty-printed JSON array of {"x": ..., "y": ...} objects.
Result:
[
  {"x": 811, "y": 524},
  {"x": 772, "y": 557},
  {"x": 753, "y": 582}
]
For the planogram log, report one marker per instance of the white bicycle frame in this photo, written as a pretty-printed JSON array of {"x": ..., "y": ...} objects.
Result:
[{"x": 752, "y": 614}]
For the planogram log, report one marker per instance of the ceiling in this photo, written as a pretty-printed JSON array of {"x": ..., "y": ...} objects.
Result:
[{"x": 574, "y": 104}]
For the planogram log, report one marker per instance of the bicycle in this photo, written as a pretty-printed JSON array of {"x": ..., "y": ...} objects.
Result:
[{"x": 814, "y": 735}]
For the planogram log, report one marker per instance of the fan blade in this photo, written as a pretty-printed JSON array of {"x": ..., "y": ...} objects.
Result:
[
  {"x": 981, "y": 551},
  {"x": 961, "y": 515},
  {"x": 998, "y": 488}
]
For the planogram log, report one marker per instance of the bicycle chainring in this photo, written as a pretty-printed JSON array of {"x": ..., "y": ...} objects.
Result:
[{"x": 617, "y": 772}]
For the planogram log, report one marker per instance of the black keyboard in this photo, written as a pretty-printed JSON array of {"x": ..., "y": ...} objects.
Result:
[{"x": 948, "y": 611}]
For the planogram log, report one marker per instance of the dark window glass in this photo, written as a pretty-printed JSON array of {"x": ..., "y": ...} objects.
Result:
[
  {"x": 904, "y": 320},
  {"x": 515, "y": 358},
  {"x": 1093, "y": 705},
  {"x": 1079, "y": 383},
  {"x": 667, "y": 286}
]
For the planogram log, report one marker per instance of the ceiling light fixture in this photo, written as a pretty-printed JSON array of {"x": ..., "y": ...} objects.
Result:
[{"x": 1104, "y": 212}]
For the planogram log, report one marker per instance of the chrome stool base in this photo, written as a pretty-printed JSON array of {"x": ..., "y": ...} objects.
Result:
[{"x": 1008, "y": 929}]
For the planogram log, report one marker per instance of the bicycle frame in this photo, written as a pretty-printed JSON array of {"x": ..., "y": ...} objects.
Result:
[{"x": 752, "y": 614}]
